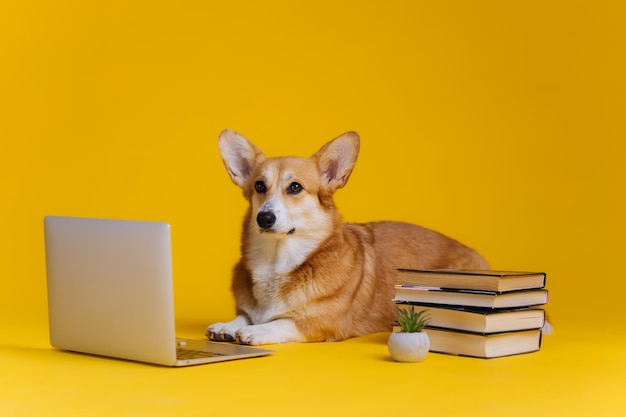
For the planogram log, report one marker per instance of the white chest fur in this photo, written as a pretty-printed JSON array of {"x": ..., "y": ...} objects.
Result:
[{"x": 271, "y": 260}]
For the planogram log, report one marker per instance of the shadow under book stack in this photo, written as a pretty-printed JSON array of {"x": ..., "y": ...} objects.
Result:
[{"x": 484, "y": 314}]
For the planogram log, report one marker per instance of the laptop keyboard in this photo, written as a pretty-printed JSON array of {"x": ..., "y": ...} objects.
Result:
[{"x": 195, "y": 354}]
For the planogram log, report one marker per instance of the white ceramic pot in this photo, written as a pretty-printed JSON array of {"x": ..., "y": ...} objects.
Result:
[{"x": 408, "y": 347}]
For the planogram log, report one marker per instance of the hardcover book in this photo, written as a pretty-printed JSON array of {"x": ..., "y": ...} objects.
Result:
[
  {"x": 471, "y": 298},
  {"x": 483, "y": 346},
  {"x": 485, "y": 280},
  {"x": 481, "y": 320}
]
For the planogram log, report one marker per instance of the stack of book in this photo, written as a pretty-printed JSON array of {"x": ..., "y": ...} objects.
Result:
[{"x": 483, "y": 314}]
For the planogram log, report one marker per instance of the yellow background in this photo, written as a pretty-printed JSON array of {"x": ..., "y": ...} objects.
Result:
[{"x": 501, "y": 124}]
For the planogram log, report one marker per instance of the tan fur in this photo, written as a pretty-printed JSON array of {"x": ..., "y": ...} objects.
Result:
[{"x": 311, "y": 277}]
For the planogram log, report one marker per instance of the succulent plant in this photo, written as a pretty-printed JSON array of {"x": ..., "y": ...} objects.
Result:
[{"x": 411, "y": 321}]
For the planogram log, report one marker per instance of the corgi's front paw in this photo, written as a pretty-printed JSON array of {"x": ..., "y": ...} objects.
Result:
[
  {"x": 277, "y": 331},
  {"x": 250, "y": 335},
  {"x": 219, "y": 332},
  {"x": 226, "y": 332}
]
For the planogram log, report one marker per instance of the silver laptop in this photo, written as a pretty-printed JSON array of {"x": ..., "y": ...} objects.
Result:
[{"x": 110, "y": 294}]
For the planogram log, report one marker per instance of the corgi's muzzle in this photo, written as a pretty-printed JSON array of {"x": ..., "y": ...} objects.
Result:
[{"x": 266, "y": 220}]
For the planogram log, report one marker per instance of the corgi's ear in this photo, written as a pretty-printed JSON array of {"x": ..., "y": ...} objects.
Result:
[
  {"x": 239, "y": 156},
  {"x": 336, "y": 160}
]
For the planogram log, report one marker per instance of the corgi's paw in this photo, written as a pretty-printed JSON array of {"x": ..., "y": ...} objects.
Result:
[
  {"x": 277, "y": 331},
  {"x": 226, "y": 332},
  {"x": 219, "y": 332},
  {"x": 251, "y": 335},
  {"x": 547, "y": 328}
]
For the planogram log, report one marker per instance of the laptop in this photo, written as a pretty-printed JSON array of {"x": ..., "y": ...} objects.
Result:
[{"x": 110, "y": 294}]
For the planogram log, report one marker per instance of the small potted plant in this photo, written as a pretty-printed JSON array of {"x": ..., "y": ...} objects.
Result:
[{"x": 410, "y": 344}]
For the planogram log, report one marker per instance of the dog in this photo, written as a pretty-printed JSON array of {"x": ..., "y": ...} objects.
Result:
[{"x": 304, "y": 275}]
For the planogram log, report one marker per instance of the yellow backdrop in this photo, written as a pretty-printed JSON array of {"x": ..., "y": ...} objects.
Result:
[{"x": 499, "y": 124}]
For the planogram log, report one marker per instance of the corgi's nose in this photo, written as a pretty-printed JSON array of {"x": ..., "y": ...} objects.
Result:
[{"x": 265, "y": 219}]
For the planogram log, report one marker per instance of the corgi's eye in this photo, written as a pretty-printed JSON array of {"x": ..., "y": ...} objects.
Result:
[
  {"x": 260, "y": 187},
  {"x": 294, "y": 188}
]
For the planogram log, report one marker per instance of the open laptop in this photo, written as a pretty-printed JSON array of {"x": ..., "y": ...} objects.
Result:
[{"x": 110, "y": 293}]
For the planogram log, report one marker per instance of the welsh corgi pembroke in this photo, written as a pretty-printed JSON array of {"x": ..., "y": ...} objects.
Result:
[{"x": 304, "y": 275}]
